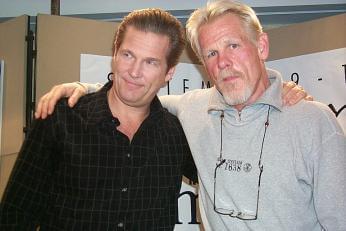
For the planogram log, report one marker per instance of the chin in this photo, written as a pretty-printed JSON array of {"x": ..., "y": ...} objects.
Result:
[{"x": 237, "y": 98}]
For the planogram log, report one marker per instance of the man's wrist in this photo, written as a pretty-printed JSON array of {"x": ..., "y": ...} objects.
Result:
[{"x": 90, "y": 87}]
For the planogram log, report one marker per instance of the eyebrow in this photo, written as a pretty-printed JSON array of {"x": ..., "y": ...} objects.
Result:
[
  {"x": 153, "y": 59},
  {"x": 124, "y": 50}
]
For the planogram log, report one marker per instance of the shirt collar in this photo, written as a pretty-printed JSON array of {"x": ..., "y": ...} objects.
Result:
[
  {"x": 272, "y": 95},
  {"x": 99, "y": 111}
]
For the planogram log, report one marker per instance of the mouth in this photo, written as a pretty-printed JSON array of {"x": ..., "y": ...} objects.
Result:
[
  {"x": 228, "y": 76},
  {"x": 231, "y": 78},
  {"x": 132, "y": 84}
]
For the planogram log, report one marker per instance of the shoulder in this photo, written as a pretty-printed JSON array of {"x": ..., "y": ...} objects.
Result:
[
  {"x": 62, "y": 107},
  {"x": 167, "y": 124},
  {"x": 187, "y": 99},
  {"x": 309, "y": 109},
  {"x": 315, "y": 115},
  {"x": 197, "y": 94},
  {"x": 64, "y": 112},
  {"x": 169, "y": 120}
]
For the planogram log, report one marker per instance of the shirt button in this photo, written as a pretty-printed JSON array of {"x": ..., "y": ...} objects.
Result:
[
  {"x": 124, "y": 189},
  {"x": 120, "y": 225}
]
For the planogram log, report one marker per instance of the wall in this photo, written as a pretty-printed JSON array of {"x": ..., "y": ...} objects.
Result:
[{"x": 13, "y": 52}]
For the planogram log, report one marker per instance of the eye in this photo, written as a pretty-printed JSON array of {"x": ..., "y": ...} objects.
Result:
[
  {"x": 152, "y": 62},
  {"x": 233, "y": 45},
  {"x": 211, "y": 54},
  {"x": 126, "y": 54}
]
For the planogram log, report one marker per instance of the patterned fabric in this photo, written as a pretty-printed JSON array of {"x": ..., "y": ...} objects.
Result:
[{"x": 76, "y": 171}]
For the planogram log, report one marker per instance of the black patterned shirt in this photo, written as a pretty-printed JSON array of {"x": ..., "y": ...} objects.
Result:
[{"x": 76, "y": 171}]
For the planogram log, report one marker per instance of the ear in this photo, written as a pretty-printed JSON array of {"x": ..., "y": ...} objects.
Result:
[
  {"x": 169, "y": 74},
  {"x": 114, "y": 51},
  {"x": 263, "y": 46},
  {"x": 113, "y": 62}
]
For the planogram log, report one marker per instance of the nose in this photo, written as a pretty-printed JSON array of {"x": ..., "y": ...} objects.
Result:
[
  {"x": 223, "y": 60},
  {"x": 135, "y": 69}
]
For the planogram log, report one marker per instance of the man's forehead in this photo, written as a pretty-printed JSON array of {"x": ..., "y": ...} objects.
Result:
[
  {"x": 222, "y": 30},
  {"x": 145, "y": 44}
]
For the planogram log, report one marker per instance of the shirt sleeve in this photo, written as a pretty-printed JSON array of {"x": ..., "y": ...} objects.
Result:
[
  {"x": 26, "y": 194},
  {"x": 91, "y": 87},
  {"x": 171, "y": 103},
  {"x": 330, "y": 177}
]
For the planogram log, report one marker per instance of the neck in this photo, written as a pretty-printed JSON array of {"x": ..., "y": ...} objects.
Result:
[
  {"x": 130, "y": 117},
  {"x": 258, "y": 91}
]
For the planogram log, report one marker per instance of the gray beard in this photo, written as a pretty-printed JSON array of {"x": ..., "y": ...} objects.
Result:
[{"x": 232, "y": 99}]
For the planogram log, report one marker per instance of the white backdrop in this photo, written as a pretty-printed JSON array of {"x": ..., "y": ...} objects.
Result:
[{"x": 321, "y": 74}]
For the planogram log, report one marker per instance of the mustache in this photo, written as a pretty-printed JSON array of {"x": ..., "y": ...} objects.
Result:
[{"x": 227, "y": 73}]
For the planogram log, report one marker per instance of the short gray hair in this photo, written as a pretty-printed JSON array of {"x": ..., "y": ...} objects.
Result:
[{"x": 216, "y": 9}]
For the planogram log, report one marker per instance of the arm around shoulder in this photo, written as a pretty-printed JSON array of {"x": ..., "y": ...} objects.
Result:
[{"x": 171, "y": 103}]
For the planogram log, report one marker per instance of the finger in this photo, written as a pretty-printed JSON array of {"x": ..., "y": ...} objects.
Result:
[
  {"x": 295, "y": 95},
  {"x": 57, "y": 93},
  {"x": 41, "y": 111},
  {"x": 77, "y": 93},
  {"x": 38, "y": 111},
  {"x": 309, "y": 98},
  {"x": 47, "y": 102},
  {"x": 287, "y": 87}
]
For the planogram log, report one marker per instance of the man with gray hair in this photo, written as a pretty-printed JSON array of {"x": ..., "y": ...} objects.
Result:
[{"x": 261, "y": 166}]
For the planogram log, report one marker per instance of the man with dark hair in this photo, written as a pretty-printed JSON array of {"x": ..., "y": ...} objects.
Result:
[{"x": 115, "y": 161}]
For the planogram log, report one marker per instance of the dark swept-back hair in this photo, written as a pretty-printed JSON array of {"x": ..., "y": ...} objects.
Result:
[{"x": 159, "y": 22}]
